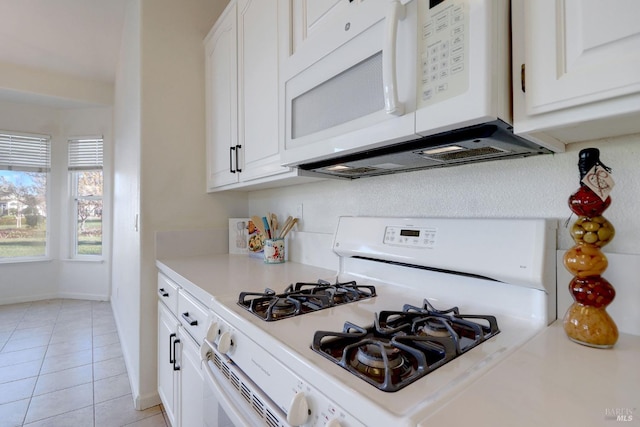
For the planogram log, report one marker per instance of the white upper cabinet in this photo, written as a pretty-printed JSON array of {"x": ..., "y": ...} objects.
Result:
[
  {"x": 258, "y": 128},
  {"x": 581, "y": 68},
  {"x": 313, "y": 22},
  {"x": 222, "y": 100},
  {"x": 243, "y": 109}
]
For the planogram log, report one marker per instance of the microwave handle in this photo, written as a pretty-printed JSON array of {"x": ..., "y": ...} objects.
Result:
[{"x": 395, "y": 13}]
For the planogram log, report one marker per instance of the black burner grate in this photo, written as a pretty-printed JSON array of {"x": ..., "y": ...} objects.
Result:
[
  {"x": 403, "y": 346},
  {"x": 301, "y": 298}
]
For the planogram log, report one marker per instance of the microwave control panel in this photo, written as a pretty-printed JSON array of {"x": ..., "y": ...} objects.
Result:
[{"x": 444, "y": 50}]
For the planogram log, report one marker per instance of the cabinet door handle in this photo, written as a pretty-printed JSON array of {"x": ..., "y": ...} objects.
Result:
[
  {"x": 163, "y": 292},
  {"x": 238, "y": 147},
  {"x": 171, "y": 348},
  {"x": 231, "y": 156},
  {"x": 189, "y": 320},
  {"x": 176, "y": 367}
]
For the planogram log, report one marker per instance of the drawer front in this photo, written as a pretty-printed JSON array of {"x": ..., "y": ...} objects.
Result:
[
  {"x": 168, "y": 293},
  {"x": 192, "y": 315}
]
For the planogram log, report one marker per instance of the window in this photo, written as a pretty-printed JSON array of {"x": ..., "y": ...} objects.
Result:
[
  {"x": 85, "y": 171},
  {"x": 25, "y": 162}
]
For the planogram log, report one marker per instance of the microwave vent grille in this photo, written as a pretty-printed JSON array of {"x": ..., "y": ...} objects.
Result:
[
  {"x": 465, "y": 154},
  {"x": 357, "y": 171}
]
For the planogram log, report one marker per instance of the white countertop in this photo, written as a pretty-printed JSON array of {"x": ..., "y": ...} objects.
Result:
[
  {"x": 550, "y": 381},
  {"x": 205, "y": 276}
]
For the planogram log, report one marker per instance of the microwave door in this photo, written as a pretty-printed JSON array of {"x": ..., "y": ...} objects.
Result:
[{"x": 360, "y": 95}]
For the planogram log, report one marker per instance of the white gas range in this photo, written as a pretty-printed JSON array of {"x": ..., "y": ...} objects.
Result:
[{"x": 375, "y": 345}]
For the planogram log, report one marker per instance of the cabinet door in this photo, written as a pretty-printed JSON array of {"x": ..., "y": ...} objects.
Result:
[
  {"x": 312, "y": 20},
  {"x": 167, "y": 376},
  {"x": 580, "y": 52},
  {"x": 191, "y": 382},
  {"x": 258, "y": 117},
  {"x": 222, "y": 99}
]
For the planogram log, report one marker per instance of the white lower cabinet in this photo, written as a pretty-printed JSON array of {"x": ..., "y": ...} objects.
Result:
[
  {"x": 168, "y": 384},
  {"x": 180, "y": 378},
  {"x": 191, "y": 382}
]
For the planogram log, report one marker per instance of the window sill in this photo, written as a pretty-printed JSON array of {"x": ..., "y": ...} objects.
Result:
[
  {"x": 10, "y": 261},
  {"x": 84, "y": 260}
]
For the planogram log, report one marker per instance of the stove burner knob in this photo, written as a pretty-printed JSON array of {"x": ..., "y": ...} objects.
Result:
[
  {"x": 205, "y": 351},
  {"x": 298, "y": 410},
  {"x": 225, "y": 343},
  {"x": 212, "y": 332},
  {"x": 333, "y": 423}
]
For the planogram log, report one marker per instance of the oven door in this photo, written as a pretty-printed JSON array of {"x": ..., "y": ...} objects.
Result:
[
  {"x": 219, "y": 409},
  {"x": 232, "y": 399}
]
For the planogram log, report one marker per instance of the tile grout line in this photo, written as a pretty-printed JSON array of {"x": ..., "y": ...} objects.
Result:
[
  {"x": 93, "y": 369},
  {"x": 16, "y": 327},
  {"x": 59, "y": 310},
  {"x": 4, "y": 345},
  {"x": 24, "y": 419}
]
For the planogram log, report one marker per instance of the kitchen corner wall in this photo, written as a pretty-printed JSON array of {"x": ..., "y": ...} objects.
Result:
[
  {"x": 159, "y": 184},
  {"x": 530, "y": 187},
  {"x": 59, "y": 276}
]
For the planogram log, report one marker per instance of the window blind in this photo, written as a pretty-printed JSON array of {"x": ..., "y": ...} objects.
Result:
[
  {"x": 29, "y": 153},
  {"x": 85, "y": 154}
]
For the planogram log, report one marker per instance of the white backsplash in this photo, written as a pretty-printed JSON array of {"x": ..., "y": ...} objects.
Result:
[
  {"x": 313, "y": 249},
  {"x": 530, "y": 187},
  {"x": 185, "y": 243}
]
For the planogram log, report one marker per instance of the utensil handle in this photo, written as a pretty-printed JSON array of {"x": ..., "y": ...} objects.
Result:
[{"x": 288, "y": 227}]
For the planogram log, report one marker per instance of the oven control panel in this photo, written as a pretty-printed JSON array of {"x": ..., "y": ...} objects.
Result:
[{"x": 418, "y": 237}]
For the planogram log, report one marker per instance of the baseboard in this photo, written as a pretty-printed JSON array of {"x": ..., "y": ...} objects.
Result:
[
  {"x": 78, "y": 295},
  {"x": 143, "y": 402},
  {"x": 30, "y": 298},
  {"x": 56, "y": 295},
  {"x": 140, "y": 402}
]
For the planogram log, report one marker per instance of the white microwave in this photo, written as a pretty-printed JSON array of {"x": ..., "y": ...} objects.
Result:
[{"x": 389, "y": 85}]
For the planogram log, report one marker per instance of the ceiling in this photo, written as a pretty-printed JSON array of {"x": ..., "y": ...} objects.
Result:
[{"x": 79, "y": 38}]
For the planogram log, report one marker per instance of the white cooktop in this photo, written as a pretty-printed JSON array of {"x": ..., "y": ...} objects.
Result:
[{"x": 522, "y": 309}]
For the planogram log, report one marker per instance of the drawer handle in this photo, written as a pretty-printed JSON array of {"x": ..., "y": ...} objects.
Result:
[
  {"x": 163, "y": 292},
  {"x": 189, "y": 320}
]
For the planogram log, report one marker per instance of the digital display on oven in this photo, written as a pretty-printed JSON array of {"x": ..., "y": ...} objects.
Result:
[
  {"x": 424, "y": 237},
  {"x": 434, "y": 3},
  {"x": 410, "y": 233}
]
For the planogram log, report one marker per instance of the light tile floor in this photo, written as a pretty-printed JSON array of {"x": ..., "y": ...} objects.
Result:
[{"x": 61, "y": 365}]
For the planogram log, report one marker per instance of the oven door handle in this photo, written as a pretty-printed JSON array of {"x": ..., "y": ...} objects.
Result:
[{"x": 222, "y": 396}]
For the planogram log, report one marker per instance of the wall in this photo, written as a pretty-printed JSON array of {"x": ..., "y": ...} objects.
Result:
[
  {"x": 159, "y": 110},
  {"x": 58, "y": 277},
  {"x": 125, "y": 291},
  {"x": 531, "y": 187},
  {"x": 52, "y": 88}
]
